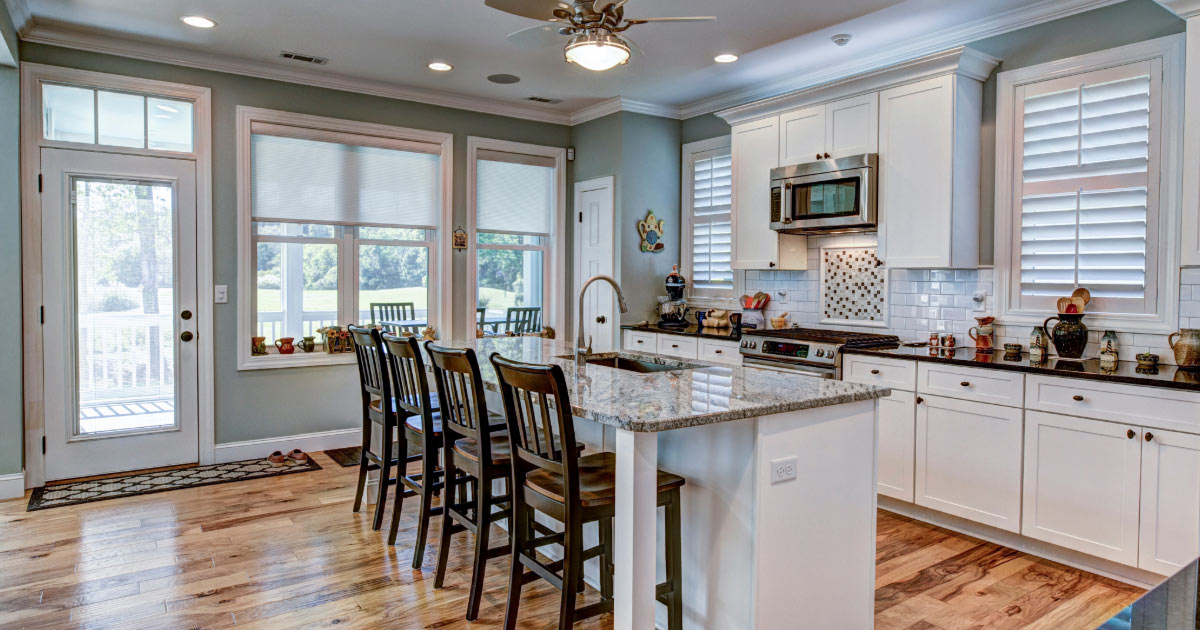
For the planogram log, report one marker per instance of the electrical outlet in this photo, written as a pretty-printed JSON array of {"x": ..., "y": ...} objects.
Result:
[
  {"x": 221, "y": 294},
  {"x": 783, "y": 469},
  {"x": 980, "y": 301}
]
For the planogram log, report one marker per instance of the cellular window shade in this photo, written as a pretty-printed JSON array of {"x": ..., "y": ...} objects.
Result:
[
  {"x": 1085, "y": 180},
  {"x": 303, "y": 180},
  {"x": 712, "y": 228},
  {"x": 514, "y": 193}
]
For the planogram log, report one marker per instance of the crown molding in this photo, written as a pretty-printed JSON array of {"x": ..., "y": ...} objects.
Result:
[
  {"x": 104, "y": 44},
  {"x": 1045, "y": 11},
  {"x": 1183, "y": 8},
  {"x": 622, "y": 104},
  {"x": 962, "y": 61},
  {"x": 20, "y": 14}
]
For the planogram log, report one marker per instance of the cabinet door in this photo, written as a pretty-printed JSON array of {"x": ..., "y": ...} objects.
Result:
[
  {"x": 802, "y": 136},
  {"x": 916, "y": 123},
  {"x": 969, "y": 460},
  {"x": 897, "y": 426},
  {"x": 1169, "y": 535},
  {"x": 852, "y": 126},
  {"x": 754, "y": 150},
  {"x": 1081, "y": 485}
]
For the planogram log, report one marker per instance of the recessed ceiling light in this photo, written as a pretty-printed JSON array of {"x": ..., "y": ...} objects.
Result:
[
  {"x": 725, "y": 58},
  {"x": 439, "y": 66},
  {"x": 199, "y": 21},
  {"x": 167, "y": 108}
]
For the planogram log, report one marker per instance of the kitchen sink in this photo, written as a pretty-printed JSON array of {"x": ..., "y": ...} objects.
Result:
[{"x": 633, "y": 364}]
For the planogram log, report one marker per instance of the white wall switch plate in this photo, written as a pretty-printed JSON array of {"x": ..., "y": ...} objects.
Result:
[
  {"x": 221, "y": 294},
  {"x": 783, "y": 469}
]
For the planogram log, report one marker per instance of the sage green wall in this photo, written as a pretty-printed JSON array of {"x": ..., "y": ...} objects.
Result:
[
  {"x": 703, "y": 127},
  {"x": 1117, "y": 25},
  {"x": 270, "y": 403},
  {"x": 11, "y": 394}
]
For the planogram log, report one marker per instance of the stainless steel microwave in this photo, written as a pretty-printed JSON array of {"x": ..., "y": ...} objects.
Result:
[{"x": 827, "y": 196}]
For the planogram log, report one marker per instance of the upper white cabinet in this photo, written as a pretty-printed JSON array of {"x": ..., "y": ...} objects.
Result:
[
  {"x": 802, "y": 135},
  {"x": 929, "y": 173},
  {"x": 755, "y": 151},
  {"x": 846, "y": 127}
]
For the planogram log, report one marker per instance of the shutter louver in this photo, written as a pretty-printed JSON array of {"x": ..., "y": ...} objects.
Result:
[
  {"x": 712, "y": 227},
  {"x": 1085, "y": 173}
]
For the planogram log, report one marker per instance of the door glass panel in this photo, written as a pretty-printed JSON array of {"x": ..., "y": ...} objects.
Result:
[{"x": 125, "y": 306}]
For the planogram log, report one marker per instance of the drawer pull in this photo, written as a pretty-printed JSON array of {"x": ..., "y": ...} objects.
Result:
[
  {"x": 874, "y": 371},
  {"x": 717, "y": 351},
  {"x": 965, "y": 383},
  {"x": 1131, "y": 434},
  {"x": 1077, "y": 398},
  {"x": 1149, "y": 436},
  {"x": 674, "y": 345},
  {"x": 639, "y": 341}
]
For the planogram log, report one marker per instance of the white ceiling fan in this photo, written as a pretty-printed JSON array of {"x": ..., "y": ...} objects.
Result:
[{"x": 594, "y": 41}]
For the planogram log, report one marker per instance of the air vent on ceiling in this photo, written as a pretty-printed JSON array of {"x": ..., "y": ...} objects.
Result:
[
  {"x": 542, "y": 99},
  {"x": 320, "y": 61}
]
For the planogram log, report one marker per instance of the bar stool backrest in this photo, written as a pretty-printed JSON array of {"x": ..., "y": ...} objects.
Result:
[
  {"x": 460, "y": 394},
  {"x": 372, "y": 374},
  {"x": 409, "y": 380},
  {"x": 537, "y": 409}
]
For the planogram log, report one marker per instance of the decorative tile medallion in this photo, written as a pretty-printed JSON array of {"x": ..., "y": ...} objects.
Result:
[
  {"x": 853, "y": 287},
  {"x": 161, "y": 481}
]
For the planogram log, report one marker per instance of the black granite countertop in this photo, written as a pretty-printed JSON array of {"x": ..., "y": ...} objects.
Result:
[
  {"x": 692, "y": 330},
  {"x": 1125, "y": 372},
  {"x": 1169, "y": 606}
]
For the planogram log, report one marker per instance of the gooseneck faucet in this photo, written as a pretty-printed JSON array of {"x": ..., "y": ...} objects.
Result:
[{"x": 581, "y": 351}]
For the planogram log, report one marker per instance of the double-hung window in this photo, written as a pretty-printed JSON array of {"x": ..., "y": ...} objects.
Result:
[
  {"x": 340, "y": 221},
  {"x": 1086, "y": 204},
  {"x": 707, "y": 236}
]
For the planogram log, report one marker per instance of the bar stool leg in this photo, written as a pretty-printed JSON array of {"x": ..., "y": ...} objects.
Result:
[
  {"x": 572, "y": 570},
  {"x": 519, "y": 530},
  {"x": 428, "y": 477},
  {"x": 385, "y": 473},
  {"x": 401, "y": 472},
  {"x": 363, "y": 464},
  {"x": 606, "y": 559},
  {"x": 483, "y": 500},
  {"x": 674, "y": 553},
  {"x": 448, "y": 527}
]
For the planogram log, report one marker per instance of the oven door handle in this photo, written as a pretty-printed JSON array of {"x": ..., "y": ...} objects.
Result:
[{"x": 788, "y": 366}]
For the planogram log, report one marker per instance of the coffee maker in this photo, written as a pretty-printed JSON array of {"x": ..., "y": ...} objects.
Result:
[{"x": 672, "y": 307}]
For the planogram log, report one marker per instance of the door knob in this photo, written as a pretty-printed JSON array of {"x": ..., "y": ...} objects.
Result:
[
  {"x": 185, "y": 315},
  {"x": 601, "y": 319},
  {"x": 186, "y": 335}
]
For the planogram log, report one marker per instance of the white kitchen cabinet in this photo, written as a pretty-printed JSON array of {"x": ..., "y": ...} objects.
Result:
[
  {"x": 852, "y": 126},
  {"x": 968, "y": 460},
  {"x": 1082, "y": 484},
  {"x": 929, "y": 173},
  {"x": 1169, "y": 532},
  {"x": 719, "y": 351},
  {"x": 755, "y": 151},
  {"x": 640, "y": 340},
  {"x": 678, "y": 346},
  {"x": 802, "y": 135},
  {"x": 897, "y": 428}
]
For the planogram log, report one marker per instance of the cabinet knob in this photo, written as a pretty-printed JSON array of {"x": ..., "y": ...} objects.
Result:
[
  {"x": 920, "y": 400},
  {"x": 186, "y": 335},
  {"x": 771, "y": 264},
  {"x": 717, "y": 351},
  {"x": 827, "y": 156},
  {"x": 1149, "y": 436},
  {"x": 965, "y": 383},
  {"x": 818, "y": 156},
  {"x": 1131, "y": 434},
  {"x": 874, "y": 371},
  {"x": 1077, "y": 398},
  {"x": 639, "y": 341}
]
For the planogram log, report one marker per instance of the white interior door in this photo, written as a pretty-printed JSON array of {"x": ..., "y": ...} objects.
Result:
[
  {"x": 596, "y": 255},
  {"x": 119, "y": 287}
]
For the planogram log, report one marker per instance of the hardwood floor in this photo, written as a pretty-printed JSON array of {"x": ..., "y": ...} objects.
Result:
[{"x": 287, "y": 553}]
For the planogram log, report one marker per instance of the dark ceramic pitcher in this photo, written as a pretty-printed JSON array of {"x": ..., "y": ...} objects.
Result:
[{"x": 1070, "y": 336}]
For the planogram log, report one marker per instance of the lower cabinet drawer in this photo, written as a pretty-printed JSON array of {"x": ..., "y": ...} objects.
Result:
[
  {"x": 968, "y": 460},
  {"x": 881, "y": 371},
  {"x": 642, "y": 341},
  {"x": 676, "y": 346},
  {"x": 719, "y": 351},
  {"x": 979, "y": 384},
  {"x": 1146, "y": 406}
]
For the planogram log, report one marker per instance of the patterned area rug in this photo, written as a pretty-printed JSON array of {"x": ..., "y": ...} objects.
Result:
[{"x": 149, "y": 483}]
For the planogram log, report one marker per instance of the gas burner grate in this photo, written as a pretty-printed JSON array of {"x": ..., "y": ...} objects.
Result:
[{"x": 816, "y": 335}]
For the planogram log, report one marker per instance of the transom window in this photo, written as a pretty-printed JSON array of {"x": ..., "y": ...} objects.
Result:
[{"x": 120, "y": 119}]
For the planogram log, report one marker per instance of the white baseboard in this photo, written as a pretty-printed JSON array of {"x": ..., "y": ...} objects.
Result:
[
  {"x": 307, "y": 442},
  {"x": 12, "y": 486},
  {"x": 1122, "y": 573}
]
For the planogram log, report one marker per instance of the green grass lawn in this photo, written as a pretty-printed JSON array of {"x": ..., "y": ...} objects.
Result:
[{"x": 268, "y": 299}]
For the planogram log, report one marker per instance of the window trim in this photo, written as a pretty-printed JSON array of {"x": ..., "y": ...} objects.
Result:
[
  {"x": 440, "y": 285},
  {"x": 554, "y": 304},
  {"x": 1170, "y": 51},
  {"x": 687, "y": 170}
]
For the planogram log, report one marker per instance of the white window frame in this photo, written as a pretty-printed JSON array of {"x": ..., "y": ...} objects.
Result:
[
  {"x": 1165, "y": 316},
  {"x": 317, "y": 127},
  {"x": 554, "y": 256},
  {"x": 707, "y": 297}
]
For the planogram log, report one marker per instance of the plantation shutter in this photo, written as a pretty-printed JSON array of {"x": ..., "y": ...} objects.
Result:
[
  {"x": 514, "y": 193},
  {"x": 1088, "y": 165},
  {"x": 712, "y": 227},
  {"x": 342, "y": 178}
]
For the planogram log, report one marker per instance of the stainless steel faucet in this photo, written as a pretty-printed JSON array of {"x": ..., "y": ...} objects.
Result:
[{"x": 581, "y": 351}]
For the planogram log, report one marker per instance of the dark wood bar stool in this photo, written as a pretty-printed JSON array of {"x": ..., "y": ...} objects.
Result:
[
  {"x": 422, "y": 425},
  {"x": 571, "y": 489},
  {"x": 475, "y": 454},
  {"x": 375, "y": 387}
]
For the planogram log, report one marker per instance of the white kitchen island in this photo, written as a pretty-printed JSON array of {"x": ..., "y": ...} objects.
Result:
[{"x": 796, "y": 553}]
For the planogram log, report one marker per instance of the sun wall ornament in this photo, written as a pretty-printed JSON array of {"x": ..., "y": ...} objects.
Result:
[{"x": 651, "y": 229}]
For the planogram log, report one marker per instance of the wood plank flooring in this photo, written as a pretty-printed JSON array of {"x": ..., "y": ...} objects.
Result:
[{"x": 287, "y": 553}]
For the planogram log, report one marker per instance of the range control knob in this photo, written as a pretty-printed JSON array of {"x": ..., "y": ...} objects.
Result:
[{"x": 820, "y": 353}]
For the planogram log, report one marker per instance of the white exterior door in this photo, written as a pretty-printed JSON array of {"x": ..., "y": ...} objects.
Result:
[
  {"x": 119, "y": 292},
  {"x": 596, "y": 255}
]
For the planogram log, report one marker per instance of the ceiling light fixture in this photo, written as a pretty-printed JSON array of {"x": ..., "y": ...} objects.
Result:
[
  {"x": 725, "y": 58},
  {"x": 597, "y": 50},
  {"x": 199, "y": 21},
  {"x": 440, "y": 66}
]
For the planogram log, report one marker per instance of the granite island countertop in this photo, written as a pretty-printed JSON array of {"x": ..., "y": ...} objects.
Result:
[
  {"x": 661, "y": 401},
  {"x": 1127, "y": 372}
]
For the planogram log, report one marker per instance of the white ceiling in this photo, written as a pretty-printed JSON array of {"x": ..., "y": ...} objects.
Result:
[{"x": 389, "y": 42}]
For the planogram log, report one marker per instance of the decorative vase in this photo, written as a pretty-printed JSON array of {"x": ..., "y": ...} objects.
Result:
[
  {"x": 1109, "y": 346},
  {"x": 1070, "y": 335},
  {"x": 1186, "y": 347},
  {"x": 983, "y": 334},
  {"x": 258, "y": 346},
  {"x": 284, "y": 345},
  {"x": 1038, "y": 344},
  {"x": 308, "y": 344}
]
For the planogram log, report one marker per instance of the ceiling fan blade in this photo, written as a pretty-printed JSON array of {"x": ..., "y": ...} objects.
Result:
[
  {"x": 536, "y": 9},
  {"x": 538, "y": 36},
  {"x": 698, "y": 18}
]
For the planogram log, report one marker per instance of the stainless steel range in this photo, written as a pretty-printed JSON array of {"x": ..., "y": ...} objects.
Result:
[{"x": 809, "y": 350}]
